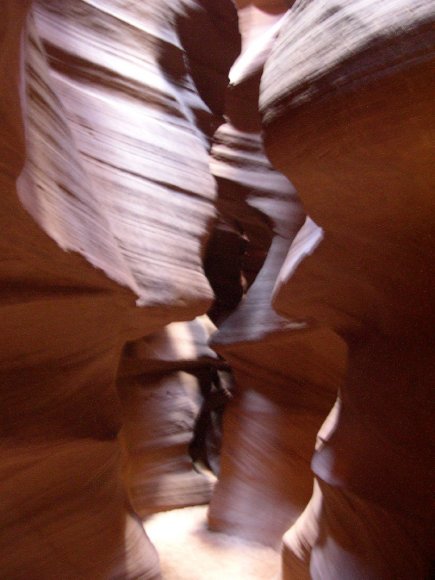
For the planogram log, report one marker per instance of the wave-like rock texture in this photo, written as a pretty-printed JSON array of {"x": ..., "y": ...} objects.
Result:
[
  {"x": 347, "y": 101},
  {"x": 66, "y": 315},
  {"x": 125, "y": 75},
  {"x": 286, "y": 380}
]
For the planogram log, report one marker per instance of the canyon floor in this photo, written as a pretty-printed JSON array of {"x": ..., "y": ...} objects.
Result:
[{"x": 189, "y": 551}]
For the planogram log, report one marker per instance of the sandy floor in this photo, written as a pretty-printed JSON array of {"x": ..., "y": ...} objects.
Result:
[{"x": 188, "y": 551}]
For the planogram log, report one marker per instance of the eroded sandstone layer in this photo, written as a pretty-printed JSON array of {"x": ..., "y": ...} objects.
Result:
[
  {"x": 286, "y": 378},
  {"x": 347, "y": 103},
  {"x": 106, "y": 138},
  {"x": 108, "y": 112}
]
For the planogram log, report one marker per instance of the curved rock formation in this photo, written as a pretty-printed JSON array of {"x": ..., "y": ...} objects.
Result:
[
  {"x": 347, "y": 99},
  {"x": 161, "y": 399},
  {"x": 122, "y": 74},
  {"x": 286, "y": 380},
  {"x": 108, "y": 90}
]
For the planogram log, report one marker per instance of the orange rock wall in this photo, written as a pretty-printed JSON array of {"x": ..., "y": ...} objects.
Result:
[{"x": 78, "y": 277}]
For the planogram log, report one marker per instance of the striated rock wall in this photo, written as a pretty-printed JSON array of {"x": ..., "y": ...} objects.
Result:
[
  {"x": 97, "y": 240},
  {"x": 122, "y": 74},
  {"x": 286, "y": 378},
  {"x": 347, "y": 98},
  {"x": 108, "y": 111}
]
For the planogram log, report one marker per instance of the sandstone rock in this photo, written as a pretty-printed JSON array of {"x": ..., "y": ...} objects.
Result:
[
  {"x": 72, "y": 273},
  {"x": 286, "y": 380},
  {"x": 347, "y": 100},
  {"x": 130, "y": 102},
  {"x": 62, "y": 335},
  {"x": 159, "y": 418},
  {"x": 161, "y": 399}
]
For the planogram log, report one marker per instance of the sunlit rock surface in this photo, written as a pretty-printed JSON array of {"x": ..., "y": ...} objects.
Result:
[
  {"x": 286, "y": 380},
  {"x": 97, "y": 136},
  {"x": 107, "y": 110},
  {"x": 160, "y": 388},
  {"x": 123, "y": 75},
  {"x": 347, "y": 103}
]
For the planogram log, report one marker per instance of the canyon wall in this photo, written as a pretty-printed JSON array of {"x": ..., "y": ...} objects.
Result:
[
  {"x": 286, "y": 379},
  {"x": 346, "y": 101},
  {"x": 104, "y": 143},
  {"x": 122, "y": 152}
]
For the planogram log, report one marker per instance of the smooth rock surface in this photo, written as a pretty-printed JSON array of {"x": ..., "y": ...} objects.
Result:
[
  {"x": 286, "y": 380},
  {"x": 347, "y": 102},
  {"x": 71, "y": 273}
]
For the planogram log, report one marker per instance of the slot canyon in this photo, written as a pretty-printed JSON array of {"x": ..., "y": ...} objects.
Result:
[{"x": 217, "y": 240}]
